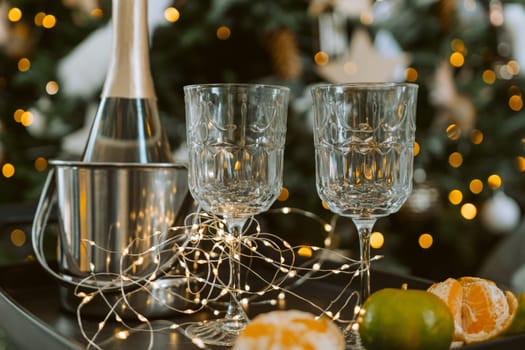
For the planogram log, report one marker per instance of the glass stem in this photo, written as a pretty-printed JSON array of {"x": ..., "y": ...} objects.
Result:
[
  {"x": 235, "y": 318},
  {"x": 364, "y": 229}
]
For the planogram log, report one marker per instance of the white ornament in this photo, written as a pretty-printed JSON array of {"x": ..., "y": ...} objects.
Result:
[
  {"x": 514, "y": 15},
  {"x": 500, "y": 214},
  {"x": 517, "y": 282}
]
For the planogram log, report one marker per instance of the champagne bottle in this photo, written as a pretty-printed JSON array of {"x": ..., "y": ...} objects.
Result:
[{"x": 127, "y": 126}]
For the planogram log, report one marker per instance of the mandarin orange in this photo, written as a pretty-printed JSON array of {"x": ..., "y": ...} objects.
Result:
[
  {"x": 451, "y": 292},
  {"x": 481, "y": 310},
  {"x": 290, "y": 329}
]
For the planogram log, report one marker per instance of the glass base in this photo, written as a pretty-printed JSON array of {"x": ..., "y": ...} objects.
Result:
[
  {"x": 353, "y": 340},
  {"x": 221, "y": 332}
]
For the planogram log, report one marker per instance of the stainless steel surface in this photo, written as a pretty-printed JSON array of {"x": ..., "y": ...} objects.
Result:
[
  {"x": 113, "y": 222},
  {"x": 117, "y": 207}
]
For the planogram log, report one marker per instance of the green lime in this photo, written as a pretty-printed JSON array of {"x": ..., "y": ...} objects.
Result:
[{"x": 405, "y": 319}]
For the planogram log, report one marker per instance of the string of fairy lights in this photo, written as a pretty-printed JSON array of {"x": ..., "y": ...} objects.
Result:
[
  {"x": 458, "y": 52},
  {"x": 198, "y": 251}
]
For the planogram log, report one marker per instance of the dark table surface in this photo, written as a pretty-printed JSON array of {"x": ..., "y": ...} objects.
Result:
[{"x": 32, "y": 316}]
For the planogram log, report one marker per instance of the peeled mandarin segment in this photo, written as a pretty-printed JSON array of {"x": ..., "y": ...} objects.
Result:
[
  {"x": 481, "y": 307},
  {"x": 486, "y": 311},
  {"x": 451, "y": 292},
  {"x": 282, "y": 330}
]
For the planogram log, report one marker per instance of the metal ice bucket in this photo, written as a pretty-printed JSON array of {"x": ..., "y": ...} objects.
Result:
[{"x": 113, "y": 220}]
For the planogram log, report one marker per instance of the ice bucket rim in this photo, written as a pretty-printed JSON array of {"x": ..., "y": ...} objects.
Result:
[{"x": 116, "y": 165}]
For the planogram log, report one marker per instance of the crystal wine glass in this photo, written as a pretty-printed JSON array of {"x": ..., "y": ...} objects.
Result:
[
  {"x": 364, "y": 148},
  {"x": 236, "y": 136}
]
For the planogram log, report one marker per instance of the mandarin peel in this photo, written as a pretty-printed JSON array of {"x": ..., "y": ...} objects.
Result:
[{"x": 518, "y": 323}]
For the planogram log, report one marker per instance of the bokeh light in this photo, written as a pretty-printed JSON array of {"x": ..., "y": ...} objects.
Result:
[
  {"x": 476, "y": 186},
  {"x": 469, "y": 211},
  {"x": 24, "y": 64},
  {"x": 489, "y": 76},
  {"x": 40, "y": 164},
  {"x": 494, "y": 181},
  {"x": 321, "y": 58},
  {"x": 453, "y": 132},
  {"x": 283, "y": 195},
  {"x": 49, "y": 21},
  {"x": 52, "y": 87},
  {"x": 425, "y": 240},
  {"x": 520, "y": 163},
  {"x": 377, "y": 240},
  {"x": 514, "y": 67},
  {"x": 97, "y": 13},
  {"x": 417, "y": 148},
  {"x": 223, "y": 33},
  {"x": 305, "y": 251},
  {"x": 516, "y": 103},
  {"x": 476, "y": 137},
  {"x": 8, "y": 170},
  {"x": 122, "y": 334},
  {"x": 455, "y": 159},
  {"x": 27, "y": 118},
  {"x": 17, "y": 115},
  {"x": 411, "y": 74},
  {"x": 14, "y": 14},
  {"x": 457, "y": 59},
  {"x": 496, "y": 13},
  {"x": 171, "y": 14},
  {"x": 18, "y": 237},
  {"x": 39, "y": 18},
  {"x": 455, "y": 197}
]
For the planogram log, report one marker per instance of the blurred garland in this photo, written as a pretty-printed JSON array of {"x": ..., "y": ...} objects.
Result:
[{"x": 273, "y": 42}]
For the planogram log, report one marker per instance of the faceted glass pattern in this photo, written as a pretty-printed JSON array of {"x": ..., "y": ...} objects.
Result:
[
  {"x": 236, "y": 136},
  {"x": 364, "y": 140}
]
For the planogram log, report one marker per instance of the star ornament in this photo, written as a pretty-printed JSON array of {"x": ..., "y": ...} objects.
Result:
[{"x": 363, "y": 63}]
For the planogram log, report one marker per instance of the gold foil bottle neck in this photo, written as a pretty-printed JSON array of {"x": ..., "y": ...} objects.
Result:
[{"x": 129, "y": 73}]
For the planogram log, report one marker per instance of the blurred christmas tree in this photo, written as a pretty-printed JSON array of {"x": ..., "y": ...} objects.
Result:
[{"x": 464, "y": 54}]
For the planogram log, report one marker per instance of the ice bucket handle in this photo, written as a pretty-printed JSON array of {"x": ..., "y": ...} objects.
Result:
[
  {"x": 43, "y": 210},
  {"x": 45, "y": 206}
]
